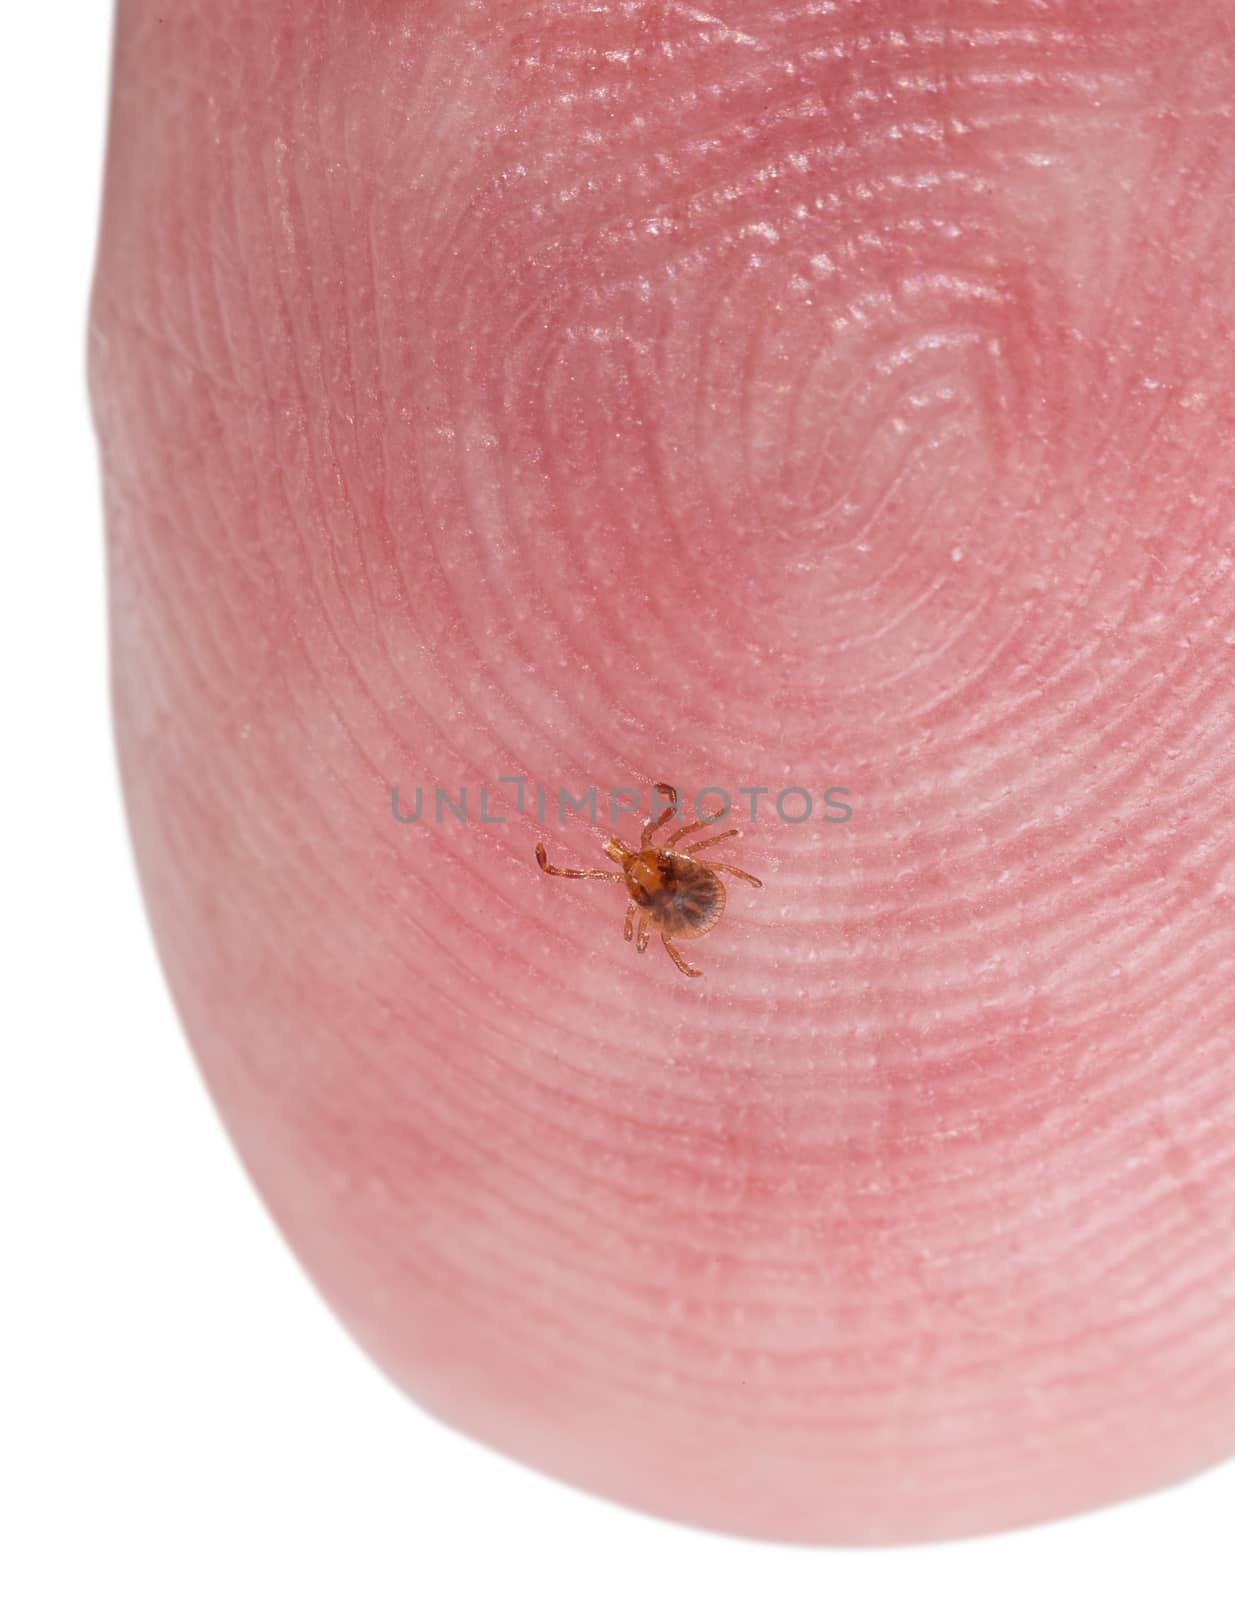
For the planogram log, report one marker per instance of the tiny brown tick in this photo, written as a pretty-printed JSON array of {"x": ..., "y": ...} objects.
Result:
[{"x": 670, "y": 890}]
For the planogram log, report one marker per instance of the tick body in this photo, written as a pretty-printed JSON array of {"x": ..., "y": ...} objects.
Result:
[{"x": 670, "y": 891}]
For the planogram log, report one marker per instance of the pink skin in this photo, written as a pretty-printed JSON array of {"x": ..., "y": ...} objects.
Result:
[{"x": 743, "y": 395}]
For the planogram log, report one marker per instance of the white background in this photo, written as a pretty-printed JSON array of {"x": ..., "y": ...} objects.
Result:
[{"x": 179, "y": 1414}]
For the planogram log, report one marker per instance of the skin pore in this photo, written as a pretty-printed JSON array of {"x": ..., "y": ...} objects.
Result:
[{"x": 779, "y": 396}]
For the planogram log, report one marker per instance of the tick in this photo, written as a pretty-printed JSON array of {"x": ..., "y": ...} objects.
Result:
[{"x": 671, "y": 891}]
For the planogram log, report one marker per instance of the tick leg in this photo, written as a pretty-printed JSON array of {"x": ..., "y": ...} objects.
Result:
[
  {"x": 723, "y": 866},
  {"x": 629, "y": 931},
  {"x": 691, "y": 972},
  {"x": 645, "y": 933},
  {"x": 693, "y": 827},
  {"x": 572, "y": 872},
  {"x": 654, "y": 821},
  {"x": 706, "y": 844}
]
